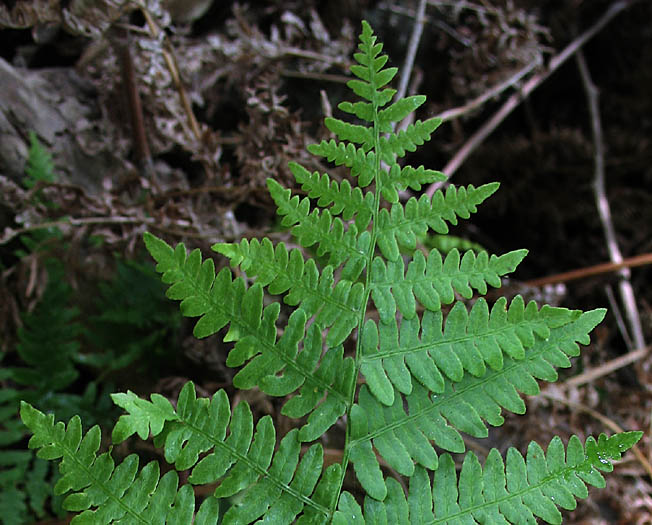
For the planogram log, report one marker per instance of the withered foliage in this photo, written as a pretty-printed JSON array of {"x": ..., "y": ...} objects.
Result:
[{"x": 490, "y": 42}]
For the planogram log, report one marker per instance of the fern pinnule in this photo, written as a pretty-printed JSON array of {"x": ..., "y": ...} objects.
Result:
[
  {"x": 314, "y": 227},
  {"x": 462, "y": 406},
  {"x": 402, "y": 225},
  {"x": 341, "y": 197},
  {"x": 459, "y": 346},
  {"x": 335, "y": 305}
]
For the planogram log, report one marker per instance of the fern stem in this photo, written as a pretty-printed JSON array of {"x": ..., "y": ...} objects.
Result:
[{"x": 348, "y": 444}]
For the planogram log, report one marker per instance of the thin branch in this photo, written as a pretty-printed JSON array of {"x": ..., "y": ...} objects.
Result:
[
  {"x": 313, "y": 75},
  {"x": 417, "y": 31},
  {"x": 461, "y": 4},
  {"x": 614, "y": 308},
  {"x": 515, "y": 99},
  {"x": 312, "y": 55},
  {"x": 604, "y": 211},
  {"x": 590, "y": 271},
  {"x": 10, "y": 233},
  {"x": 173, "y": 68},
  {"x": 453, "y": 113},
  {"x": 141, "y": 145},
  {"x": 404, "y": 11},
  {"x": 607, "y": 368}
]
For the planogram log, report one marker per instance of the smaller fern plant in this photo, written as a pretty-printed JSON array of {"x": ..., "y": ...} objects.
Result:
[
  {"x": 53, "y": 346},
  {"x": 425, "y": 366}
]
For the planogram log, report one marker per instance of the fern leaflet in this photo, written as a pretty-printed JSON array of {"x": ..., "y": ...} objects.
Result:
[
  {"x": 515, "y": 492},
  {"x": 219, "y": 301},
  {"x": 400, "y": 434},
  {"x": 433, "y": 281}
]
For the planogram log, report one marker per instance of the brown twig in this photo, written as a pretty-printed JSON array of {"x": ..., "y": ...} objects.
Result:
[
  {"x": 171, "y": 63},
  {"x": 413, "y": 45},
  {"x": 453, "y": 113},
  {"x": 312, "y": 55},
  {"x": 589, "y": 271},
  {"x": 607, "y": 368},
  {"x": 604, "y": 210},
  {"x": 141, "y": 146},
  {"x": 10, "y": 233},
  {"x": 321, "y": 77},
  {"x": 515, "y": 99}
]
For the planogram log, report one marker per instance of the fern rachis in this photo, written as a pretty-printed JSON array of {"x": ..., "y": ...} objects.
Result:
[{"x": 428, "y": 375}]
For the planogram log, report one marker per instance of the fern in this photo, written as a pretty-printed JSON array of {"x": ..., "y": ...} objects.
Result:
[
  {"x": 54, "y": 339},
  {"x": 47, "y": 345},
  {"x": 49, "y": 339},
  {"x": 433, "y": 364},
  {"x": 40, "y": 167},
  {"x": 134, "y": 322}
]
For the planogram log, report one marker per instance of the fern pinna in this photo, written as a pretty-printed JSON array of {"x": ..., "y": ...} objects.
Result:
[{"x": 429, "y": 365}]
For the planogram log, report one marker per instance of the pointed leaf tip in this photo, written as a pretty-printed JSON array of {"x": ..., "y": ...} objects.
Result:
[{"x": 156, "y": 247}]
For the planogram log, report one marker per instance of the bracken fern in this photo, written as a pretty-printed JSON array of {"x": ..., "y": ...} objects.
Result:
[{"x": 429, "y": 365}]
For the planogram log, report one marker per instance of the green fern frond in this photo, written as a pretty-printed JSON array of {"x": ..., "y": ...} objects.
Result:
[
  {"x": 433, "y": 281},
  {"x": 312, "y": 227},
  {"x": 446, "y": 243},
  {"x": 14, "y": 464},
  {"x": 396, "y": 180},
  {"x": 276, "y": 366},
  {"x": 334, "y": 305},
  {"x": 431, "y": 349},
  {"x": 13, "y": 508},
  {"x": 11, "y": 430},
  {"x": 397, "y": 111},
  {"x": 102, "y": 492},
  {"x": 416, "y": 375},
  {"x": 399, "y": 179},
  {"x": 199, "y": 426},
  {"x": 49, "y": 339},
  {"x": 342, "y": 198},
  {"x": 360, "y": 162},
  {"x": 416, "y": 134},
  {"x": 39, "y": 163},
  {"x": 25, "y": 485},
  {"x": 352, "y": 133},
  {"x": 283, "y": 484},
  {"x": 516, "y": 492},
  {"x": 462, "y": 406},
  {"x": 370, "y": 71},
  {"x": 401, "y": 226}
]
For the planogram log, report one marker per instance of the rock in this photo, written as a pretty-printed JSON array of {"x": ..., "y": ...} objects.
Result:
[{"x": 61, "y": 108}]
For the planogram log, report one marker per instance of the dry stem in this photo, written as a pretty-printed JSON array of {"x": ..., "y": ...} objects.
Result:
[
  {"x": 626, "y": 289},
  {"x": 516, "y": 98},
  {"x": 589, "y": 271},
  {"x": 412, "y": 50}
]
